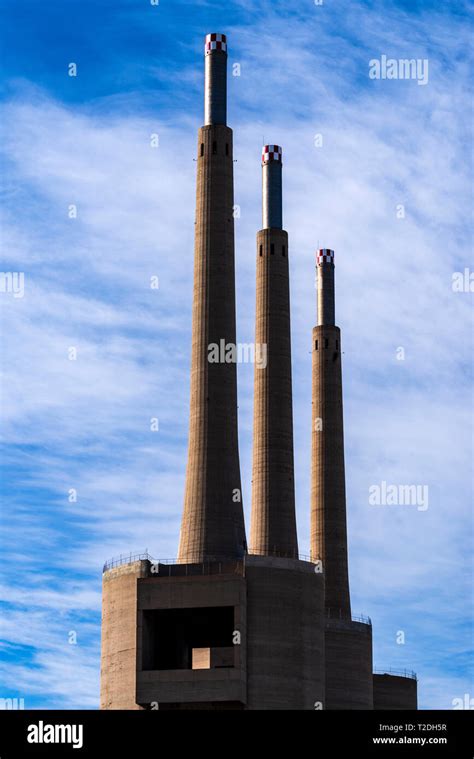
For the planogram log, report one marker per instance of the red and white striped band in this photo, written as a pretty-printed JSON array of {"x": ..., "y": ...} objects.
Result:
[
  {"x": 215, "y": 42},
  {"x": 271, "y": 153},
  {"x": 325, "y": 256}
]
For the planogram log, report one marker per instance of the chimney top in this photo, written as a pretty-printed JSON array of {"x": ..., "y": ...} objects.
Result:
[
  {"x": 215, "y": 42},
  {"x": 271, "y": 153},
  {"x": 325, "y": 256}
]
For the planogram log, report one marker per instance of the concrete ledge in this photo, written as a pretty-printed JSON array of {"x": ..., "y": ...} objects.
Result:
[
  {"x": 191, "y": 685},
  {"x": 277, "y": 562},
  {"x": 138, "y": 568}
]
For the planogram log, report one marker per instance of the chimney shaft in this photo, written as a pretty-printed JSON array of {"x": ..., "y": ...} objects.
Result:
[
  {"x": 326, "y": 309},
  {"x": 213, "y": 523},
  {"x": 273, "y": 529},
  {"x": 215, "y": 79},
  {"x": 328, "y": 489},
  {"x": 272, "y": 187}
]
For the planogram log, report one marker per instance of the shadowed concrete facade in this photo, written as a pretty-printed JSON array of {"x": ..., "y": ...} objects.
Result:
[
  {"x": 348, "y": 662},
  {"x": 395, "y": 692},
  {"x": 213, "y": 522},
  {"x": 273, "y": 524},
  {"x": 285, "y": 652}
]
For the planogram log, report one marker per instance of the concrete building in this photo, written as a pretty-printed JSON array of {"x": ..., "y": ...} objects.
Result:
[{"x": 226, "y": 625}]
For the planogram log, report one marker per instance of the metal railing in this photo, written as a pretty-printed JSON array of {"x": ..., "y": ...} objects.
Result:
[
  {"x": 284, "y": 555},
  {"x": 215, "y": 567},
  {"x": 409, "y": 673},
  {"x": 337, "y": 614},
  {"x": 129, "y": 558},
  {"x": 173, "y": 567}
]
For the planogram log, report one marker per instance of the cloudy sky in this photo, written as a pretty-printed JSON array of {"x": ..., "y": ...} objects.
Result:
[{"x": 376, "y": 169}]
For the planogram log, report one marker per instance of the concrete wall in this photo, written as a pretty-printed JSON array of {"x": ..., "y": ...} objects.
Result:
[
  {"x": 395, "y": 692},
  {"x": 119, "y": 636},
  {"x": 285, "y": 634},
  {"x": 349, "y": 683}
]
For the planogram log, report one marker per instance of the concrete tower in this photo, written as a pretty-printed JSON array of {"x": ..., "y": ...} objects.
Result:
[
  {"x": 273, "y": 526},
  {"x": 213, "y": 523},
  {"x": 348, "y": 642},
  {"x": 328, "y": 490}
]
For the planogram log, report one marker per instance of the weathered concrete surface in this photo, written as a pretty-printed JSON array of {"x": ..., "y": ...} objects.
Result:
[
  {"x": 328, "y": 484},
  {"x": 348, "y": 661},
  {"x": 278, "y": 653},
  {"x": 273, "y": 525},
  {"x": 119, "y": 636},
  {"x": 285, "y": 634},
  {"x": 213, "y": 522},
  {"x": 395, "y": 692}
]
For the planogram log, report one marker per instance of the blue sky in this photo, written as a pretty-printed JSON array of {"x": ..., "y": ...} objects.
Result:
[{"x": 85, "y": 424}]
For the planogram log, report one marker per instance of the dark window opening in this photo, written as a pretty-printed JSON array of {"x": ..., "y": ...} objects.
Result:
[
  {"x": 200, "y": 638},
  {"x": 214, "y": 148},
  {"x": 326, "y": 343},
  {"x": 316, "y": 345},
  {"x": 272, "y": 249},
  {"x": 283, "y": 251},
  {"x": 260, "y": 250},
  {"x": 202, "y": 149},
  {"x": 227, "y": 148},
  {"x": 337, "y": 344}
]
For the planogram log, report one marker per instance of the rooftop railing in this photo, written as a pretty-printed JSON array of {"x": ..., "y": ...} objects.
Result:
[
  {"x": 126, "y": 558},
  {"x": 129, "y": 558},
  {"x": 337, "y": 614}
]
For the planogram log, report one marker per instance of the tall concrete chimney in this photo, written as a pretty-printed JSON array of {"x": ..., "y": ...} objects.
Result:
[
  {"x": 328, "y": 489},
  {"x": 213, "y": 524},
  {"x": 273, "y": 527}
]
